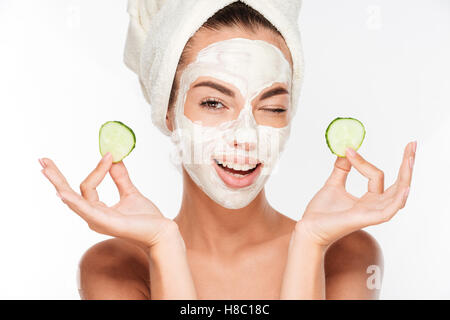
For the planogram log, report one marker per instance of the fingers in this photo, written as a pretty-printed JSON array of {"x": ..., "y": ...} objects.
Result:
[
  {"x": 405, "y": 173},
  {"x": 91, "y": 214},
  {"x": 385, "y": 206},
  {"x": 375, "y": 175},
  {"x": 404, "y": 176},
  {"x": 386, "y": 214},
  {"x": 340, "y": 172},
  {"x": 74, "y": 200},
  {"x": 120, "y": 176},
  {"x": 89, "y": 185},
  {"x": 52, "y": 173},
  {"x": 94, "y": 215}
]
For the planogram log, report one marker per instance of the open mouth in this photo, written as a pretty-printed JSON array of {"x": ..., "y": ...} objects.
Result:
[{"x": 237, "y": 175}]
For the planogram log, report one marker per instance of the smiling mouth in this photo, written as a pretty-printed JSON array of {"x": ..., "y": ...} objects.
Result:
[
  {"x": 237, "y": 170},
  {"x": 237, "y": 175}
]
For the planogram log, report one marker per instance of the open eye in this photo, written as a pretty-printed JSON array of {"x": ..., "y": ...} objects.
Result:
[{"x": 212, "y": 104}]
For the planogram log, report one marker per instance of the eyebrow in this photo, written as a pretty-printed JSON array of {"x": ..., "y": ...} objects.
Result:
[
  {"x": 216, "y": 86},
  {"x": 273, "y": 92}
]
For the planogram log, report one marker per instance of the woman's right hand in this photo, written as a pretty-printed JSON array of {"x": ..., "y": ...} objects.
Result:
[{"x": 134, "y": 217}]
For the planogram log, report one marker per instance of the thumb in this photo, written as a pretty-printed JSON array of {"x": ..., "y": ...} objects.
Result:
[
  {"x": 119, "y": 175},
  {"x": 340, "y": 172}
]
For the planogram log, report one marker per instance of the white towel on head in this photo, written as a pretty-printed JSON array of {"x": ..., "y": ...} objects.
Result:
[{"x": 159, "y": 29}]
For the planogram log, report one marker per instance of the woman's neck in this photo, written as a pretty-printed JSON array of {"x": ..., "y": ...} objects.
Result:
[{"x": 205, "y": 225}]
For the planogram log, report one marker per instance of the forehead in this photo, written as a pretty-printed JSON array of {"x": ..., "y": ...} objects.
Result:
[
  {"x": 250, "y": 65},
  {"x": 205, "y": 37},
  {"x": 246, "y": 58}
]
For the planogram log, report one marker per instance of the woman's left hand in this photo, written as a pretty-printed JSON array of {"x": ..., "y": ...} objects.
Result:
[{"x": 334, "y": 213}]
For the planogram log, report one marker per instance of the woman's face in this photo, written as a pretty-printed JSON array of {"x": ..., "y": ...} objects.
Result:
[{"x": 232, "y": 113}]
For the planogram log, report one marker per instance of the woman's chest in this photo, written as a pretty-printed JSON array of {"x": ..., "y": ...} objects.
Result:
[{"x": 254, "y": 275}]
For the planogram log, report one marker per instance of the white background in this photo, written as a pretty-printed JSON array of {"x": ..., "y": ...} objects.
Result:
[{"x": 62, "y": 76}]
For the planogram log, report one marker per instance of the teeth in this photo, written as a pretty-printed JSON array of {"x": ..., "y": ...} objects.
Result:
[
  {"x": 237, "y": 166},
  {"x": 237, "y": 174}
]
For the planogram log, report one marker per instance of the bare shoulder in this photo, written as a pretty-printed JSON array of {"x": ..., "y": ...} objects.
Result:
[
  {"x": 356, "y": 250},
  {"x": 114, "y": 269},
  {"x": 349, "y": 263}
]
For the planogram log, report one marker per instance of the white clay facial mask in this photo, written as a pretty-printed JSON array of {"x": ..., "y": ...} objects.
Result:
[{"x": 232, "y": 159}]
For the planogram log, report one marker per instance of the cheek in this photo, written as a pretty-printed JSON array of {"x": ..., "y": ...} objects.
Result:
[{"x": 191, "y": 109}]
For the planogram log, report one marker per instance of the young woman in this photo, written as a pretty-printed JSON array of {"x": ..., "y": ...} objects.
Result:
[{"x": 227, "y": 242}]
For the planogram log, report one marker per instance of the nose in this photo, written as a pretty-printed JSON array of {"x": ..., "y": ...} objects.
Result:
[
  {"x": 245, "y": 139},
  {"x": 244, "y": 136}
]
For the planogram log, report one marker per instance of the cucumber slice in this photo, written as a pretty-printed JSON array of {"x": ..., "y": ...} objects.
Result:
[
  {"x": 117, "y": 138},
  {"x": 344, "y": 132}
]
